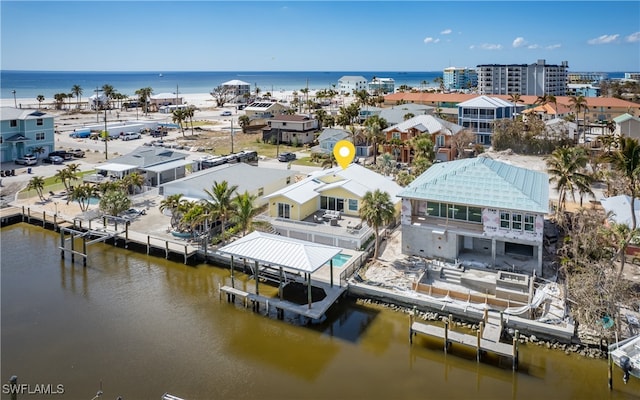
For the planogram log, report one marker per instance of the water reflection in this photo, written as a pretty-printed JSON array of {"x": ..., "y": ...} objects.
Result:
[{"x": 144, "y": 325}]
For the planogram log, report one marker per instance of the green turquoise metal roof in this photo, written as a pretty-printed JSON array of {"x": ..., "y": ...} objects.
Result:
[{"x": 482, "y": 182}]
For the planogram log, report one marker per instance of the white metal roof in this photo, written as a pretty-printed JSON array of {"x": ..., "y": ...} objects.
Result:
[
  {"x": 280, "y": 251},
  {"x": 116, "y": 167},
  {"x": 167, "y": 166}
]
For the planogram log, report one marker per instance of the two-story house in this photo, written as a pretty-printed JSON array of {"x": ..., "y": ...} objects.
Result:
[
  {"x": 291, "y": 129},
  {"x": 398, "y": 137},
  {"x": 348, "y": 84},
  {"x": 21, "y": 131},
  {"x": 478, "y": 114},
  {"x": 237, "y": 90},
  {"x": 476, "y": 209},
  {"x": 300, "y": 210}
]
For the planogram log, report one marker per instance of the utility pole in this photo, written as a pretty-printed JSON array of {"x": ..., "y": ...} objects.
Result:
[
  {"x": 231, "y": 135},
  {"x": 106, "y": 135},
  {"x": 95, "y": 104}
]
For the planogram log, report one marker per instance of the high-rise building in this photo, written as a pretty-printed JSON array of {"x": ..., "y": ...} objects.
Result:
[
  {"x": 459, "y": 78},
  {"x": 525, "y": 79}
]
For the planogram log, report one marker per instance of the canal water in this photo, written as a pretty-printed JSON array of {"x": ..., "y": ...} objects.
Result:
[{"x": 137, "y": 326}]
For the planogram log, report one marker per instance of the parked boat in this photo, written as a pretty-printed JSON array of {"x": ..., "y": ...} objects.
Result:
[{"x": 626, "y": 355}]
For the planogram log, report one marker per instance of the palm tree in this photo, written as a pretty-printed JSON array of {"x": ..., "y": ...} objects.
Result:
[
  {"x": 76, "y": 90},
  {"x": 243, "y": 204},
  {"x": 221, "y": 203},
  {"x": 188, "y": 113},
  {"x": 40, "y": 99},
  {"x": 515, "y": 99},
  {"x": 178, "y": 117},
  {"x": 244, "y": 121},
  {"x": 132, "y": 181},
  {"x": 65, "y": 176},
  {"x": 82, "y": 194},
  {"x": 144, "y": 94},
  {"x": 109, "y": 92},
  {"x": 567, "y": 169},
  {"x": 627, "y": 160},
  {"x": 577, "y": 104},
  {"x": 172, "y": 204},
  {"x": 377, "y": 210},
  {"x": 114, "y": 202},
  {"x": 37, "y": 151},
  {"x": 37, "y": 183},
  {"x": 374, "y": 126}
]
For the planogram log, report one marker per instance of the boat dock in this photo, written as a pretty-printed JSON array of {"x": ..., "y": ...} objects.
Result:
[
  {"x": 314, "y": 311},
  {"x": 486, "y": 340},
  {"x": 95, "y": 231}
]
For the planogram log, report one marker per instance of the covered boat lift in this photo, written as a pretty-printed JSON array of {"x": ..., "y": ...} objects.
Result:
[{"x": 287, "y": 255}]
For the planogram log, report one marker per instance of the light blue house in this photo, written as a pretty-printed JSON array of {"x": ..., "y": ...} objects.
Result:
[
  {"x": 479, "y": 113},
  {"x": 21, "y": 131},
  {"x": 330, "y": 136},
  {"x": 476, "y": 209}
]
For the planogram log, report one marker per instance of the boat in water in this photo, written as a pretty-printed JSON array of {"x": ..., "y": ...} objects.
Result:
[{"x": 626, "y": 355}]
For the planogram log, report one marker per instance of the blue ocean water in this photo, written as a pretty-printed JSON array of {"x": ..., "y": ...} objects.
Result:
[{"x": 30, "y": 84}]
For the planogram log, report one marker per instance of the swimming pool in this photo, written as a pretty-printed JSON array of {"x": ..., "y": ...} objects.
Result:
[{"x": 340, "y": 259}]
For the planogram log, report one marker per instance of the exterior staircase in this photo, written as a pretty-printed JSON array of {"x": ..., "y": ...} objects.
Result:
[{"x": 451, "y": 275}]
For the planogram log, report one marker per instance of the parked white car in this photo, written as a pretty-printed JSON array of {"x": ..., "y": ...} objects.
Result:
[
  {"x": 130, "y": 136},
  {"x": 27, "y": 159}
]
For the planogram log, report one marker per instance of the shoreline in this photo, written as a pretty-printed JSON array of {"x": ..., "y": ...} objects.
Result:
[{"x": 200, "y": 100}]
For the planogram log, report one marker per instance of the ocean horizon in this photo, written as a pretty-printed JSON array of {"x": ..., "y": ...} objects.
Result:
[{"x": 29, "y": 84}]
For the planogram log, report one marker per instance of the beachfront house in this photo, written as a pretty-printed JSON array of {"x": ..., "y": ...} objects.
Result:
[
  {"x": 157, "y": 164},
  {"x": 548, "y": 111},
  {"x": 398, "y": 137},
  {"x": 159, "y": 100},
  {"x": 479, "y": 211},
  {"x": 349, "y": 84},
  {"x": 262, "y": 110},
  {"x": 237, "y": 91},
  {"x": 560, "y": 128},
  {"x": 292, "y": 129},
  {"x": 324, "y": 207},
  {"x": 479, "y": 114},
  {"x": 382, "y": 85},
  {"x": 258, "y": 182},
  {"x": 627, "y": 125},
  {"x": 23, "y": 130}
]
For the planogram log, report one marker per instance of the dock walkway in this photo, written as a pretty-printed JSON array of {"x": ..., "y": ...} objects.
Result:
[{"x": 487, "y": 339}]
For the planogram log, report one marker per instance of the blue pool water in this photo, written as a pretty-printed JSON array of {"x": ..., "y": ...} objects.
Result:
[{"x": 340, "y": 259}]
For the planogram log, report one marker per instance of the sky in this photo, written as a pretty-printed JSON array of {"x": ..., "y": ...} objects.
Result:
[{"x": 316, "y": 35}]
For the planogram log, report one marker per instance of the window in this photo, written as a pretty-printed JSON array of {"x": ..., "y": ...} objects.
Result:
[
  {"x": 395, "y": 135},
  {"x": 13, "y": 123},
  {"x": 284, "y": 210},
  {"x": 331, "y": 203},
  {"x": 353, "y": 205},
  {"x": 288, "y": 180},
  {"x": 433, "y": 209},
  {"x": 529, "y": 222},
  {"x": 39, "y": 122},
  {"x": 261, "y": 192},
  {"x": 460, "y": 213},
  {"x": 475, "y": 214},
  {"x": 505, "y": 220},
  {"x": 440, "y": 140},
  {"x": 516, "y": 222},
  {"x": 40, "y": 136}
]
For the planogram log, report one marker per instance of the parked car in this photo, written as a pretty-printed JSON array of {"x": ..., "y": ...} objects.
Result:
[
  {"x": 27, "y": 159},
  {"x": 53, "y": 159},
  {"x": 285, "y": 157},
  {"x": 158, "y": 133},
  {"x": 62, "y": 153},
  {"x": 130, "y": 136},
  {"x": 77, "y": 153},
  {"x": 226, "y": 113}
]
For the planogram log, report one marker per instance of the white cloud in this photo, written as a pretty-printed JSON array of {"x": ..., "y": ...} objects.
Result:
[
  {"x": 431, "y": 40},
  {"x": 553, "y": 46},
  {"x": 446, "y": 32},
  {"x": 519, "y": 42},
  {"x": 533, "y": 46},
  {"x": 604, "y": 39},
  {"x": 634, "y": 37},
  {"x": 489, "y": 46}
]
